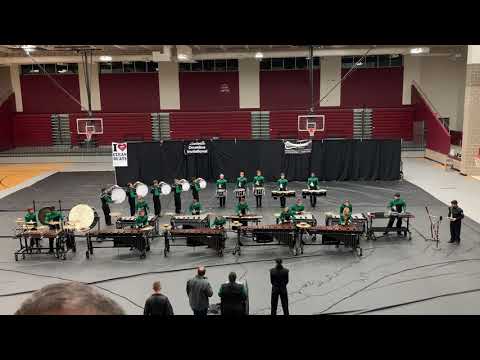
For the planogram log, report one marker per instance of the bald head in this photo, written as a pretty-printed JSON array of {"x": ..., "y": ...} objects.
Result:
[
  {"x": 69, "y": 299},
  {"x": 201, "y": 270}
]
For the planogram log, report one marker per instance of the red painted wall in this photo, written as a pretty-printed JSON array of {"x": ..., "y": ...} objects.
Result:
[
  {"x": 372, "y": 88},
  {"x": 338, "y": 124},
  {"x": 287, "y": 89},
  {"x": 32, "y": 129},
  {"x": 130, "y": 93},
  {"x": 117, "y": 127},
  {"x": 393, "y": 123},
  {"x": 202, "y": 91},
  {"x": 7, "y": 108},
  {"x": 41, "y": 95},
  {"x": 226, "y": 125},
  {"x": 437, "y": 138}
]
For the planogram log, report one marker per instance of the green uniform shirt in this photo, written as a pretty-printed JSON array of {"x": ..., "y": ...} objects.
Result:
[
  {"x": 241, "y": 207},
  {"x": 142, "y": 204},
  {"x": 221, "y": 184},
  {"x": 343, "y": 207},
  {"x": 106, "y": 199},
  {"x": 342, "y": 219},
  {"x": 296, "y": 208},
  {"x": 241, "y": 182},
  {"x": 53, "y": 216},
  {"x": 258, "y": 180},
  {"x": 195, "y": 207},
  {"x": 131, "y": 193},
  {"x": 195, "y": 186},
  {"x": 178, "y": 189},
  {"x": 312, "y": 183},
  {"x": 397, "y": 205},
  {"x": 282, "y": 184},
  {"x": 219, "y": 221},
  {"x": 141, "y": 220},
  {"x": 285, "y": 216},
  {"x": 30, "y": 217},
  {"x": 156, "y": 190}
]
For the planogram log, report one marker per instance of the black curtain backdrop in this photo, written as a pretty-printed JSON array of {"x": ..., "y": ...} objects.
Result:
[{"x": 331, "y": 160}]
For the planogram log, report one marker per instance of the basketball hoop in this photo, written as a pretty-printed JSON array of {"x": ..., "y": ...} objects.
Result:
[
  {"x": 311, "y": 132},
  {"x": 88, "y": 135}
]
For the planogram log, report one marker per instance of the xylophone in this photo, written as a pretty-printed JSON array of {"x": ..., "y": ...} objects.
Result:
[
  {"x": 132, "y": 238},
  {"x": 285, "y": 193},
  {"x": 213, "y": 238},
  {"x": 357, "y": 219},
  {"x": 244, "y": 219},
  {"x": 386, "y": 215},
  {"x": 63, "y": 242},
  {"x": 283, "y": 233},
  {"x": 305, "y": 217},
  {"x": 190, "y": 221},
  {"x": 129, "y": 221},
  {"x": 318, "y": 192}
]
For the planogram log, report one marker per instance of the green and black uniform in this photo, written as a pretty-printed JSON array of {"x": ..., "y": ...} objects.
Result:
[
  {"x": 195, "y": 208},
  {"x": 177, "y": 191},
  {"x": 222, "y": 185},
  {"x": 157, "y": 206},
  {"x": 312, "y": 183},
  {"x": 219, "y": 222},
  {"x": 285, "y": 216},
  {"x": 342, "y": 218},
  {"x": 242, "y": 184},
  {"x": 195, "y": 186},
  {"x": 282, "y": 186},
  {"x": 29, "y": 217},
  {"x": 398, "y": 205},
  {"x": 241, "y": 210},
  {"x": 295, "y": 209},
  {"x": 141, "y": 221},
  {"x": 258, "y": 181},
  {"x": 132, "y": 195},
  {"x": 53, "y": 216},
  {"x": 142, "y": 204},
  {"x": 106, "y": 199}
]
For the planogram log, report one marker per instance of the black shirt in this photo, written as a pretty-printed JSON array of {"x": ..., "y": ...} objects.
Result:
[
  {"x": 455, "y": 212},
  {"x": 158, "y": 304},
  {"x": 279, "y": 278}
]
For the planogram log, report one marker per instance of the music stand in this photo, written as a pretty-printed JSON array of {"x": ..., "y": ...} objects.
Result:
[{"x": 434, "y": 227}]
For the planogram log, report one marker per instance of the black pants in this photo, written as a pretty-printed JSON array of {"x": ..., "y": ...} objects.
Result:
[
  {"x": 222, "y": 201},
  {"x": 106, "y": 212},
  {"x": 200, "y": 313},
  {"x": 195, "y": 195},
  {"x": 258, "y": 198},
  {"x": 283, "y": 201},
  {"x": 455, "y": 227},
  {"x": 131, "y": 202},
  {"x": 157, "y": 205},
  {"x": 178, "y": 203},
  {"x": 392, "y": 220},
  {"x": 283, "y": 298},
  {"x": 313, "y": 200}
]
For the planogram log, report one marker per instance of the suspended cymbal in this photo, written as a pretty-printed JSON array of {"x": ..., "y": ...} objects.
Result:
[
  {"x": 303, "y": 225},
  {"x": 236, "y": 223}
]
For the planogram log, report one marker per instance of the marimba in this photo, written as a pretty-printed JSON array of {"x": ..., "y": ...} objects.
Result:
[
  {"x": 64, "y": 241},
  {"x": 190, "y": 221},
  {"x": 129, "y": 221},
  {"x": 213, "y": 238},
  {"x": 318, "y": 192},
  {"x": 132, "y": 238},
  {"x": 386, "y": 215},
  {"x": 245, "y": 219},
  {"x": 346, "y": 235},
  {"x": 265, "y": 234},
  {"x": 283, "y": 193},
  {"x": 358, "y": 219}
]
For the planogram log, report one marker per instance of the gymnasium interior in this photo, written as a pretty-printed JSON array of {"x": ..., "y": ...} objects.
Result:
[{"x": 380, "y": 120}]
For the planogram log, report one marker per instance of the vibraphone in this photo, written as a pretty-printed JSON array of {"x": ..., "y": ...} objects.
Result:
[
  {"x": 318, "y": 192},
  {"x": 283, "y": 193},
  {"x": 360, "y": 220},
  {"x": 303, "y": 217},
  {"x": 213, "y": 238},
  {"x": 190, "y": 221},
  {"x": 244, "y": 218},
  {"x": 266, "y": 234},
  {"x": 129, "y": 221},
  {"x": 64, "y": 241},
  {"x": 138, "y": 239},
  {"x": 386, "y": 215}
]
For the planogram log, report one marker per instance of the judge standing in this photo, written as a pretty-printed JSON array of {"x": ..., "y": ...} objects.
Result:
[{"x": 455, "y": 214}]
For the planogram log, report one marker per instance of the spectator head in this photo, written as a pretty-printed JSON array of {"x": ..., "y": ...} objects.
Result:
[
  {"x": 232, "y": 277},
  {"x": 157, "y": 287},
  {"x": 454, "y": 203},
  {"x": 201, "y": 270},
  {"x": 278, "y": 261},
  {"x": 70, "y": 298}
]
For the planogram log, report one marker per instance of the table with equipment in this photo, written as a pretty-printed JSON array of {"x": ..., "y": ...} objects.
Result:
[
  {"x": 213, "y": 238},
  {"x": 129, "y": 221},
  {"x": 371, "y": 230},
  {"x": 190, "y": 221},
  {"x": 283, "y": 234},
  {"x": 243, "y": 219},
  {"x": 307, "y": 217}
]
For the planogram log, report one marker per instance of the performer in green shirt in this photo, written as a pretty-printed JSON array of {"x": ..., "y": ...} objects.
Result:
[
  {"x": 195, "y": 207},
  {"x": 242, "y": 209},
  {"x": 177, "y": 196},
  {"x": 31, "y": 218},
  {"x": 142, "y": 219},
  {"x": 106, "y": 199},
  {"x": 56, "y": 216},
  {"x": 242, "y": 183},
  {"x": 397, "y": 205},
  {"x": 156, "y": 192},
  {"x": 131, "y": 195},
  {"x": 285, "y": 216},
  {"x": 258, "y": 188},
  {"x": 312, "y": 183},
  {"x": 297, "y": 208},
  {"x": 345, "y": 215},
  {"x": 195, "y": 187},
  {"x": 219, "y": 222},
  {"x": 221, "y": 190},
  {"x": 282, "y": 186},
  {"x": 142, "y": 204}
]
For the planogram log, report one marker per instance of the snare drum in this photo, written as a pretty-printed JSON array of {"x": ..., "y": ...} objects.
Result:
[
  {"x": 239, "y": 193},
  {"x": 259, "y": 191},
  {"x": 221, "y": 193}
]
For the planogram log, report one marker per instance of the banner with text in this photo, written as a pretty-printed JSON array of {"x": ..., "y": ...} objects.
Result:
[
  {"x": 298, "y": 146},
  {"x": 119, "y": 154},
  {"x": 196, "y": 148}
]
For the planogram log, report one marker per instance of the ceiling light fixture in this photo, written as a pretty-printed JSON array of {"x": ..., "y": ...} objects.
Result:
[
  {"x": 28, "y": 48},
  {"x": 259, "y": 55},
  {"x": 105, "y": 58},
  {"x": 415, "y": 51},
  {"x": 182, "y": 57}
]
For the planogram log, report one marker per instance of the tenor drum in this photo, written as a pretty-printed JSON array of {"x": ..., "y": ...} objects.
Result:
[
  {"x": 141, "y": 189},
  {"x": 239, "y": 193},
  {"x": 259, "y": 191},
  {"x": 118, "y": 195},
  {"x": 165, "y": 188},
  {"x": 221, "y": 193},
  {"x": 83, "y": 217},
  {"x": 202, "y": 183}
]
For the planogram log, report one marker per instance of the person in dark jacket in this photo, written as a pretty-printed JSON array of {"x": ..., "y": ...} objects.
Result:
[
  {"x": 279, "y": 280},
  {"x": 157, "y": 303},
  {"x": 455, "y": 215},
  {"x": 198, "y": 291},
  {"x": 233, "y": 296}
]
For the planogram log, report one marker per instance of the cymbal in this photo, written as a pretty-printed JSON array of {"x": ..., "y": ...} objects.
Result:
[
  {"x": 31, "y": 222},
  {"x": 236, "y": 223},
  {"x": 303, "y": 225}
]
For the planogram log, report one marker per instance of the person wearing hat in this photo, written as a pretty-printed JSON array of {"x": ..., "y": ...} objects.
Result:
[
  {"x": 142, "y": 204},
  {"x": 279, "y": 281},
  {"x": 282, "y": 186},
  {"x": 397, "y": 205},
  {"x": 222, "y": 185},
  {"x": 131, "y": 195},
  {"x": 312, "y": 183},
  {"x": 106, "y": 199},
  {"x": 156, "y": 191},
  {"x": 258, "y": 181},
  {"x": 455, "y": 214}
]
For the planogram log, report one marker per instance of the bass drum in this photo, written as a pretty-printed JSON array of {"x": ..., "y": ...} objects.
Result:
[
  {"x": 118, "y": 195},
  {"x": 43, "y": 213},
  {"x": 165, "y": 188},
  {"x": 83, "y": 217},
  {"x": 141, "y": 189},
  {"x": 202, "y": 183},
  {"x": 185, "y": 185}
]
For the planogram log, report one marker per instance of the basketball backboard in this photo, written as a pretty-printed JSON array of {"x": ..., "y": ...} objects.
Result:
[
  {"x": 311, "y": 123},
  {"x": 89, "y": 125}
]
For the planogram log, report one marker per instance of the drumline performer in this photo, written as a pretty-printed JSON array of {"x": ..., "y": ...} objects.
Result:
[
  {"x": 30, "y": 216},
  {"x": 455, "y": 214},
  {"x": 195, "y": 207},
  {"x": 282, "y": 186},
  {"x": 312, "y": 183},
  {"x": 142, "y": 204},
  {"x": 53, "y": 215},
  {"x": 221, "y": 189},
  {"x": 242, "y": 184},
  {"x": 106, "y": 199},
  {"x": 396, "y": 205},
  {"x": 156, "y": 191},
  {"x": 132, "y": 195},
  {"x": 258, "y": 183},
  {"x": 177, "y": 196},
  {"x": 195, "y": 186}
]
